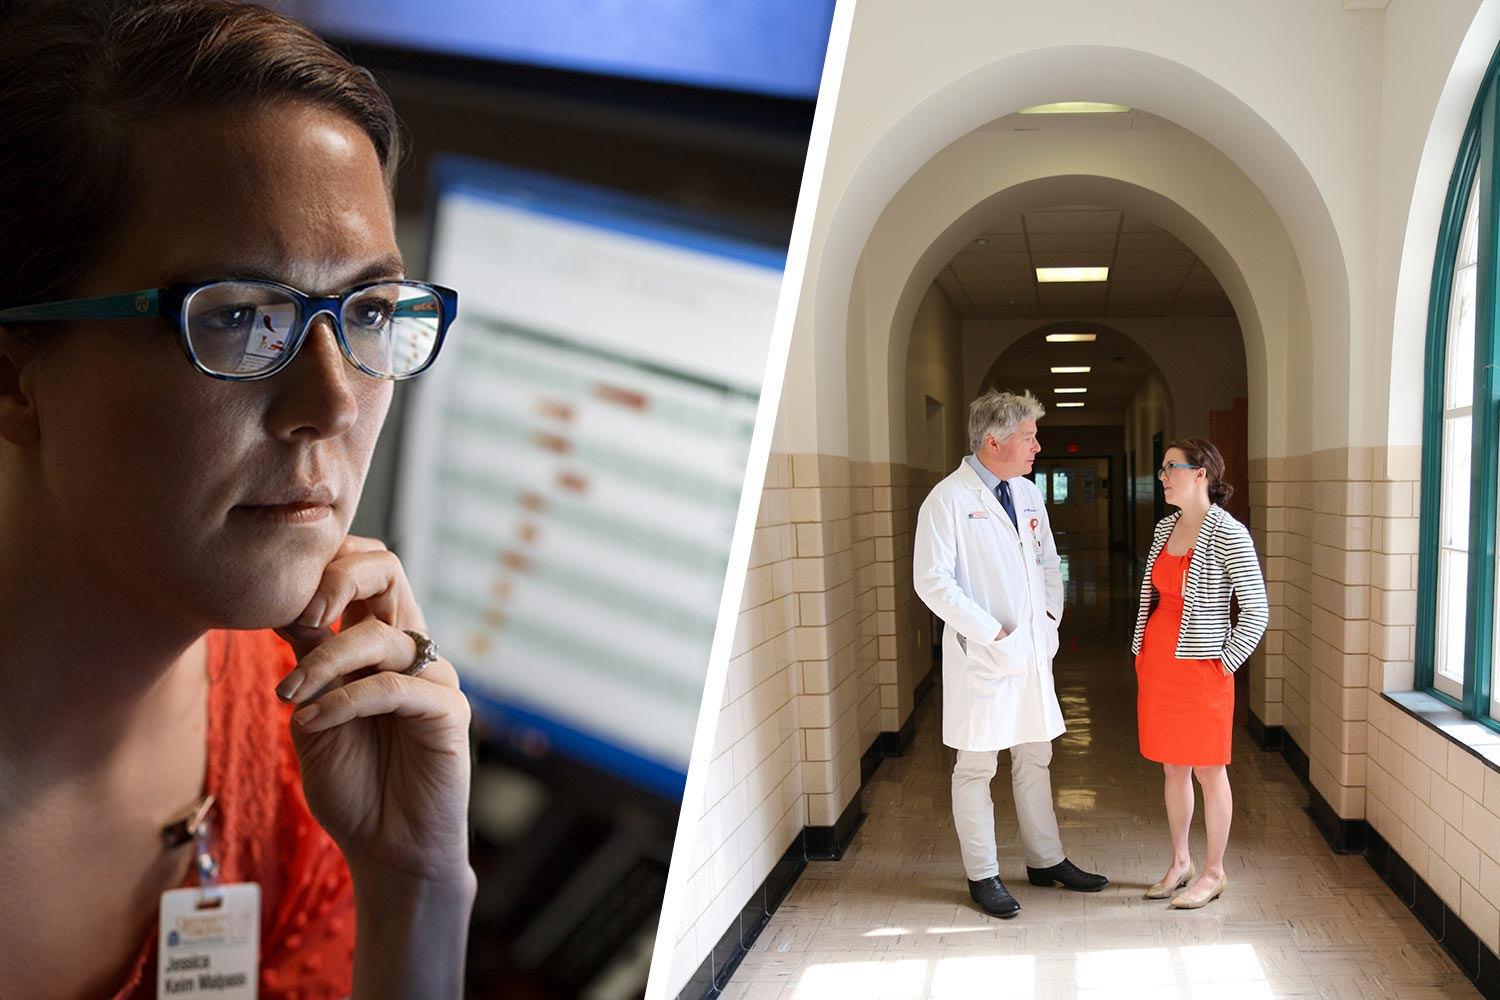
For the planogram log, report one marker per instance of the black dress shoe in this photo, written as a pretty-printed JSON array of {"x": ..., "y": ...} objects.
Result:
[
  {"x": 1068, "y": 875},
  {"x": 992, "y": 897}
]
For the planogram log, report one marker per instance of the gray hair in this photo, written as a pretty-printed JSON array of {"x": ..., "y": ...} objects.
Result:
[{"x": 1001, "y": 414}]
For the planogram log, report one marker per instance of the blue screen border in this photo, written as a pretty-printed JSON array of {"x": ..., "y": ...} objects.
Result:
[{"x": 575, "y": 201}]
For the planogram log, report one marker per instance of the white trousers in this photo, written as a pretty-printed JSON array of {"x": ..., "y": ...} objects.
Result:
[{"x": 974, "y": 812}]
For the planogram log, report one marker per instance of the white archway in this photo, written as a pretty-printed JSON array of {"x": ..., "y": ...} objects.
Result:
[
  {"x": 1246, "y": 250},
  {"x": 860, "y": 331}
]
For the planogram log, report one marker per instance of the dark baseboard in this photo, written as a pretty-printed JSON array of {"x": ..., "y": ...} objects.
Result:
[
  {"x": 1276, "y": 739},
  {"x": 1266, "y": 737},
  {"x": 714, "y": 972},
  {"x": 828, "y": 843},
  {"x": 1346, "y": 836},
  {"x": 869, "y": 762},
  {"x": 1473, "y": 956},
  {"x": 895, "y": 744},
  {"x": 1296, "y": 758},
  {"x": 888, "y": 744}
]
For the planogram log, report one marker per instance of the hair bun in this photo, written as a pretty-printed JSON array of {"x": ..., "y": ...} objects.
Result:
[{"x": 1219, "y": 492}]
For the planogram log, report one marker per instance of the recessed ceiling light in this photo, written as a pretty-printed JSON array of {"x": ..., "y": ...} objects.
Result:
[
  {"x": 1071, "y": 389},
  {"x": 981, "y": 242},
  {"x": 1067, "y": 404},
  {"x": 1071, "y": 338},
  {"x": 1072, "y": 274},
  {"x": 1075, "y": 108},
  {"x": 1072, "y": 369}
]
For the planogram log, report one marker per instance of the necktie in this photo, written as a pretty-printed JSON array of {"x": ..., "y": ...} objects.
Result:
[{"x": 1010, "y": 508}]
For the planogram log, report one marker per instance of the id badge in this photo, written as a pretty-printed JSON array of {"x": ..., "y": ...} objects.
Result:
[
  {"x": 209, "y": 944},
  {"x": 1036, "y": 543}
]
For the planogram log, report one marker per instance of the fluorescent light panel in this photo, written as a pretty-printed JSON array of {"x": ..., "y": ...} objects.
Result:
[
  {"x": 1075, "y": 108},
  {"x": 1071, "y": 389},
  {"x": 1067, "y": 404},
  {"x": 1061, "y": 274},
  {"x": 1072, "y": 369},
  {"x": 1072, "y": 338}
]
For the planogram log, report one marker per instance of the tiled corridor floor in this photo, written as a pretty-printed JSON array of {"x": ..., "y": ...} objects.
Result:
[{"x": 892, "y": 919}]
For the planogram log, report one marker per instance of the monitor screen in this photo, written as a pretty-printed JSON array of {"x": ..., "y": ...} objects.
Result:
[
  {"x": 771, "y": 47},
  {"x": 572, "y": 465}
]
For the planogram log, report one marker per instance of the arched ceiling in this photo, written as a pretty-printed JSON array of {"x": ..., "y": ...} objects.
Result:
[{"x": 1151, "y": 272}]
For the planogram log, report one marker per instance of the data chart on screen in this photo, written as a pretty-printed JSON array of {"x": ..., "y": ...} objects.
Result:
[{"x": 572, "y": 466}]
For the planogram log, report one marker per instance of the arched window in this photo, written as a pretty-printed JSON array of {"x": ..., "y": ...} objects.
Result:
[{"x": 1458, "y": 642}]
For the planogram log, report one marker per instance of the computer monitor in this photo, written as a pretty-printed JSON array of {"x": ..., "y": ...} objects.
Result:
[
  {"x": 772, "y": 47},
  {"x": 571, "y": 468}
]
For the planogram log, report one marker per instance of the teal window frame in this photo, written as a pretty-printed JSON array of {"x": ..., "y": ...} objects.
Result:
[{"x": 1478, "y": 154}]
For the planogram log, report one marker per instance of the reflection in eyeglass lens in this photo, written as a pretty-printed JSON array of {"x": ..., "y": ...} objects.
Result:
[
  {"x": 241, "y": 328},
  {"x": 392, "y": 329}
]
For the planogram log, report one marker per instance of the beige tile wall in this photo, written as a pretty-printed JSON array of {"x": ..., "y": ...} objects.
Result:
[
  {"x": 1434, "y": 802},
  {"x": 901, "y": 619},
  {"x": 1338, "y": 535},
  {"x": 1396, "y": 498},
  {"x": 1281, "y": 517},
  {"x": 1338, "y": 662},
  {"x": 836, "y": 672},
  {"x": 1312, "y": 522},
  {"x": 1439, "y": 807},
  {"x": 753, "y": 805},
  {"x": 1267, "y": 664},
  {"x": 827, "y": 654}
]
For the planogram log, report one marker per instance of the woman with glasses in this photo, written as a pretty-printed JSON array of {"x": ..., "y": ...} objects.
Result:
[
  {"x": 1187, "y": 649},
  {"x": 202, "y": 313}
]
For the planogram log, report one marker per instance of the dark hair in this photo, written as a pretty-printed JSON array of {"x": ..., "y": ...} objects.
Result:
[
  {"x": 1201, "y": 452},
  {"x": 78, "y": 77}
]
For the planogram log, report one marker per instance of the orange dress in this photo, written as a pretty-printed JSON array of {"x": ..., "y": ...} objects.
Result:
[
  {"x": 1185, "y": 709},
  {"x": 264, "y": 832}
]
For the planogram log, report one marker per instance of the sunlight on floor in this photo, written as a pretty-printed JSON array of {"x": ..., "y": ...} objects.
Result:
[
  {"x": 1210, "y": 972},
  {"x": 1076, "y": 799},
  {"x": 863, "y": 980}
]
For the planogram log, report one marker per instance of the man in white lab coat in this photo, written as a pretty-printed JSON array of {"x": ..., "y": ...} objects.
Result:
[{"x": 986, "y": 564}]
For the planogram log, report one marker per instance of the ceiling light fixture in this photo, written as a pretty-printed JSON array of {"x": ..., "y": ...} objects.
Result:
[
  {"x": 1067, "y": 404},
  {"x": 1072, "y": 338},
  {"x": 1071, "y": 389},
  {"x": 1072, "y": 369},
  {"x": 1075, "y": 108},
  {"x": 1049, "y": 274}
]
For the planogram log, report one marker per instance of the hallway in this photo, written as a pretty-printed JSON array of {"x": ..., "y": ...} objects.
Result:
[{"x": 892, "y": 919}]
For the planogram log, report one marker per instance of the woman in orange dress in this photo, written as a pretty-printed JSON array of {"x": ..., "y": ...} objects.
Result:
[
  {"x": 1187, "y": 650},
  {"x": 202, "y": 313}
]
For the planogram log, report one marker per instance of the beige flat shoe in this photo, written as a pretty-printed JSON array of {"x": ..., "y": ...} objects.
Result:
[
  {"x": 1186, "y": 902},
  {"x": 1161, "y": 890}
]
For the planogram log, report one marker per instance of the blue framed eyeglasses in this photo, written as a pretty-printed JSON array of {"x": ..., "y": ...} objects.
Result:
[
  {"x": 245, "y": 329},
  {"x": 1166, "y": 470}
]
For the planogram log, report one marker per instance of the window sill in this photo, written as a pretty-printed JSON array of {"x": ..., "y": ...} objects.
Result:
[{"x": 1475, "y": 737}]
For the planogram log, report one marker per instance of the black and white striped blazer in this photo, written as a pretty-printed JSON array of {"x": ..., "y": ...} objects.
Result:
[{"x": 1223, "y": 563}]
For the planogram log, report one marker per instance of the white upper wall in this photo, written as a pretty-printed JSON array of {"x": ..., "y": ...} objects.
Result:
[
  {"x": 1423, "y": 114},
  {"x": 1307, "y": 101}
]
